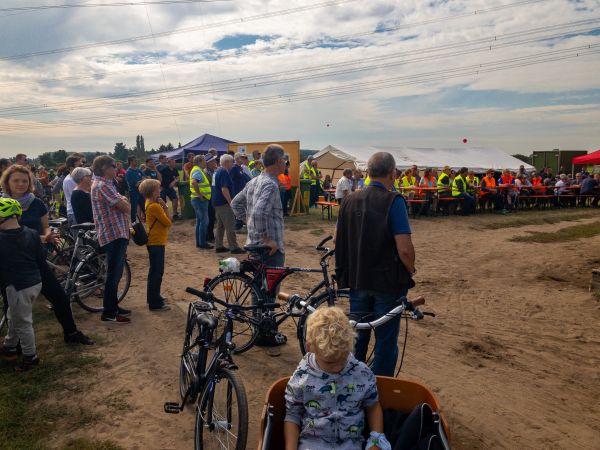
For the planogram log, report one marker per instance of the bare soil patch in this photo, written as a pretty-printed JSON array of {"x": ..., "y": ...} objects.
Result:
[{"x": 513, "y": 353}]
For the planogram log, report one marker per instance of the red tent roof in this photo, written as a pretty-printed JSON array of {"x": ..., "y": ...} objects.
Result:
[{"x": 590, "y": 158}]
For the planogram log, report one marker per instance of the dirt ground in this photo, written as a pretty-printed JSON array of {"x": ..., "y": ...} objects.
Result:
[{"x": 513, "y": 354}]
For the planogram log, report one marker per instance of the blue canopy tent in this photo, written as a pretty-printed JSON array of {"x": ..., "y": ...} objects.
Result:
[{"x": 200, "y": 145}]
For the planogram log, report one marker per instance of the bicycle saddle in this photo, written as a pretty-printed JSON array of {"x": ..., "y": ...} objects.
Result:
[
  {"x": 257, "y": 248},
  {"x": 83, "y": 226},
  {"x": 207, "y": 321}
]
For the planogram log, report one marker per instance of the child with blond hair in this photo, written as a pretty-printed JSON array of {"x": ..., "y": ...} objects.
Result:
[
  {"x": 158, "y": 222},
  {"x": 330, "y": 392}
]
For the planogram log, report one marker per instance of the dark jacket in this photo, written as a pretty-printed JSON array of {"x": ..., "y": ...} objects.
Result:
[
  {"x": 21, "y": 253},
  {"x": 365, "y": 252}
]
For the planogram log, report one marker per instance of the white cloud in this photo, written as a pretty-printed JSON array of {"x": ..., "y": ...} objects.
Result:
[{"x": 358, "y": 117}]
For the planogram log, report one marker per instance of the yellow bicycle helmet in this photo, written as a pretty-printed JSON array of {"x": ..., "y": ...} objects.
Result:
[{"x": 10, "y": 207}]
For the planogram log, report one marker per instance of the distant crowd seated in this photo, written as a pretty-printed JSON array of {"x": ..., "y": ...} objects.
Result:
[{"x": 503, "y": 191}]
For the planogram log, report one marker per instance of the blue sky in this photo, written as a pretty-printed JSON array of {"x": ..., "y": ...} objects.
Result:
[{"x": 515, "y": 76}]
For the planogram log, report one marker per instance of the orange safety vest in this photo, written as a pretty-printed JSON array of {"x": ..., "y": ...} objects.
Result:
[
  {"x": 490, "y": 183},
  {"x": 510, "y": 179},
  {"x": 286, "y": 181},
  {"x": 536, "y": 181}
]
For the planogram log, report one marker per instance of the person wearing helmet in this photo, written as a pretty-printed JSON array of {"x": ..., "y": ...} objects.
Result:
[{"x": 21, "y": 254}]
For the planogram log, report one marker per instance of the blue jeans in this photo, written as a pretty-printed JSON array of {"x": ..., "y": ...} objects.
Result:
[
  {"x": 116, "y": 252},
  {"x": 468, "y": 203},
  {"x": 134, "y": 198},
  {"x": 370, "y": 305},
  {"x": 201, "y": 210}
]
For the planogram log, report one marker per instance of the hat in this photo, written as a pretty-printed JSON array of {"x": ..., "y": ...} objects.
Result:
[
  {"x": 310, "y": 157},
  {"x": 239, "y": 155},
  {"x": 446, "y": 168},
  {"x": 208, "y": 157}
]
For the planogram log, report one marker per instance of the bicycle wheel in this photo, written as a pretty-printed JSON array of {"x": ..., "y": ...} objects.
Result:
[
  {"x": 89, "y": 283},
  {"x": 239, "y": 289},
  {"x": 342, "y": 301},
  {"x": 188, "y": 376},
  {"x": 222, "y": 414}
]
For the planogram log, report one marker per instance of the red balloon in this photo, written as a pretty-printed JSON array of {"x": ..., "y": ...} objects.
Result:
[{"x": 465, "y": 141}]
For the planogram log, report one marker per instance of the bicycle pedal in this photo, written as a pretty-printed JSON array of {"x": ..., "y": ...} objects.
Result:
[{"x": 172, "y": 408}]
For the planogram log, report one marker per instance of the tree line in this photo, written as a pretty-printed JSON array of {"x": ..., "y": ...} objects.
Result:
[{"x": 120, "y": 153}]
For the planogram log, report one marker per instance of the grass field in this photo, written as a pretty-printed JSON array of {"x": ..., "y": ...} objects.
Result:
[{"x": 29, "y": 411}]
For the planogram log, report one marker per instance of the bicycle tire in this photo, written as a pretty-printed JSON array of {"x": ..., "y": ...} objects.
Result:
[
  {"x": 187, "y": 366},
  {"x": 317, "y": 303},
  {"x": 89, "y": 283},
  {"x": 236, "y": 288},
  {"x": 227, "y": 433}
]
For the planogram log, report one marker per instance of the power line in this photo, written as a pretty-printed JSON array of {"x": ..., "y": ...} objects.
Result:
[
  {"x": 98, "y": 5},
  {"x": 421, "y": 78},
  {"x": 177, "y": 31},
  {"x": 305, "y": 44},
  {"x": 333, "y": 69}
]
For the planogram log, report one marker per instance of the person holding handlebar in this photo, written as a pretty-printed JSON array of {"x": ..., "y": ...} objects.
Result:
[{"x": 375, "y": 259}]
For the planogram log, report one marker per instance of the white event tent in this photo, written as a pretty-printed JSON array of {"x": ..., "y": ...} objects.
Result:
[{"x": 333, "y": 160}]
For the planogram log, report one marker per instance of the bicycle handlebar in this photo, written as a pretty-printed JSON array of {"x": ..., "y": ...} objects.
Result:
[
  {"x": 210, "y": 298},
  {"x": 320, "y": 247}
]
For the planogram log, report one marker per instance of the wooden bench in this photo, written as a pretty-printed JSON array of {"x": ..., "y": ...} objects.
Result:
[{"x": 326, "y": 206}]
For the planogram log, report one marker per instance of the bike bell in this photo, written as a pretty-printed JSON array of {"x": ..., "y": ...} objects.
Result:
[{"x": 229, "y": 265}]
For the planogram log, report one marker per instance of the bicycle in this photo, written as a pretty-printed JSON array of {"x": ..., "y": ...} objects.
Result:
[
  {"x": 406, "y": 308},
  {"x": 84, "y": 276},
  {"x": 214, "y": 383},
  {"x": 256, "y": 283}
]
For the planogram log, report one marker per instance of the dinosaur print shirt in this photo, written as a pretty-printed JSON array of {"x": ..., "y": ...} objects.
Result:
[{"x": 329, "y": 407}]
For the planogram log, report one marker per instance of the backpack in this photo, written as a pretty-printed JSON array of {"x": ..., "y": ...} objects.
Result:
[
  {"x": 421, "y": 429},
  {"x": 138, "y": 233}
]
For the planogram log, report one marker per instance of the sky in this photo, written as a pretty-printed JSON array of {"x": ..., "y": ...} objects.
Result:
[{"x": 516, "y": 75}]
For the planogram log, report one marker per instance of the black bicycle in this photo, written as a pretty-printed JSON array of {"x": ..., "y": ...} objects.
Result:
[
  {"x": 258, "y": 284},
  {"x": 208, "y": 375}
]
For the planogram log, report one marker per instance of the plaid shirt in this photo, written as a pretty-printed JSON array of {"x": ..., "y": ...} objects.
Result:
[
  {"x": 259, "y": 205},
  {"x": 111, "y": 224}
]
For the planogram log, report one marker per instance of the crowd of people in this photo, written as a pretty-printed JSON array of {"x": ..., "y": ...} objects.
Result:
[
  {"x": 375, "y": 257},
  {"x": 430, "y": 191}
]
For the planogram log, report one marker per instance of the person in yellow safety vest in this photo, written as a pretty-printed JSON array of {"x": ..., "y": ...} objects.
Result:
[
  {"x": 200, "y": 192},
  {"x": 255, "y": 157},
  {"x": 459, "y": 190},
  {"x": 472, "y": 184},
  {"x": 443, "y": 182},
  {"x": 313, "y": 173}
]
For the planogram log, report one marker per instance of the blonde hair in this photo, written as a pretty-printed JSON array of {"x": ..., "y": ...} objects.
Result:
[
  {"x": 329, "y": 332},
  {"x": 7, "y": 174},
  {"x": 148, "y": 186}
]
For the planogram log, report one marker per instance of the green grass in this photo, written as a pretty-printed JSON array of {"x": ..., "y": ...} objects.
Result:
[
  {"x": 526, "y": 218},
  {"x": 29, "y": 410},
  {"x": 571, "y": 233}
]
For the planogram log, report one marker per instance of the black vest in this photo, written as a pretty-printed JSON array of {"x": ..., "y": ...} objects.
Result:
[{"x": 365, "y": 250}]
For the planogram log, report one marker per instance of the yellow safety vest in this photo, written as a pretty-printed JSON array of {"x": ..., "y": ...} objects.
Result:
[
  {"x": 367, "y": 181},
  {"x": 473, "y": 182},
  {"x": 306, "y": 171},
  {"x": 407, "y": 182},
  {"x": 309, "y": 174},
  {"x": 396, "y": 184},
  {"x": 203, "y": 186},
  {"x": 441, "y": 186},
  {"x": 455, "y": 191}
]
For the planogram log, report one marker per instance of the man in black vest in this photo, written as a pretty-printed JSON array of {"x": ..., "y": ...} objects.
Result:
[{"x": 375, "y": 259}]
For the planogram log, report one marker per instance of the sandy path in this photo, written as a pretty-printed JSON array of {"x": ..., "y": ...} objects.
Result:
[{"x": 513, "y": 353}]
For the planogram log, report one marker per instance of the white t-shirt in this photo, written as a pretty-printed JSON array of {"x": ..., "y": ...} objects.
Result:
[
  {"x": 68, "y": 186},
  {"x": 343, "y": 184}
]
